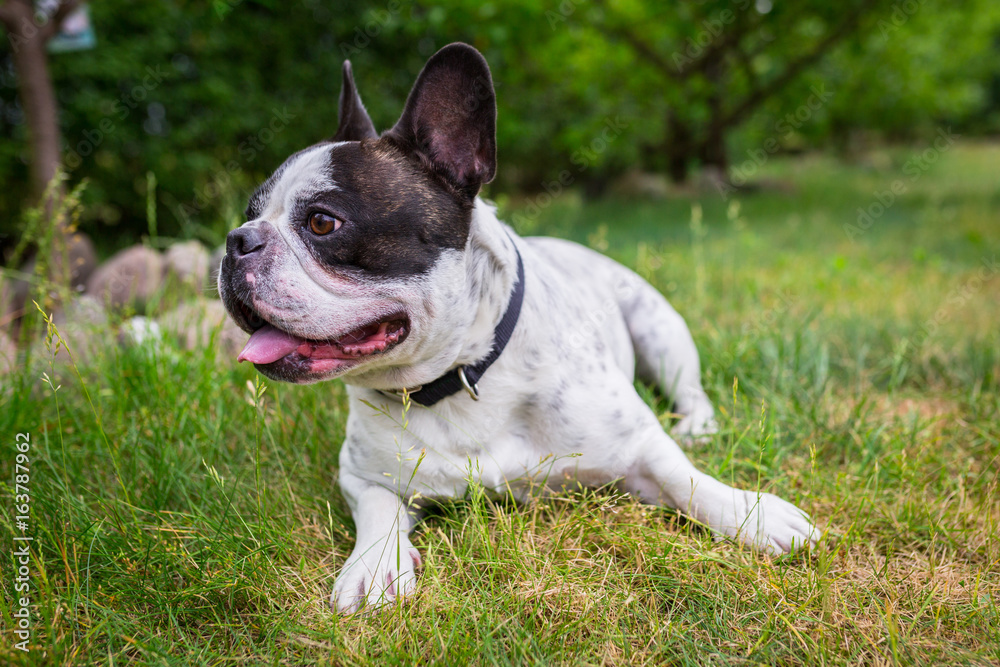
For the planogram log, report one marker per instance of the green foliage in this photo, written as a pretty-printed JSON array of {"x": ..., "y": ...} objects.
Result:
[
  {"x": 912, "y": 72},
  {"x": 184, "y": 516},
  {"x": 210, "y": 96}
]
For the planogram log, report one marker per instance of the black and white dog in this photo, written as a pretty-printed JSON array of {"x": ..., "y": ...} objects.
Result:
[{"x": 371, "y": 258}]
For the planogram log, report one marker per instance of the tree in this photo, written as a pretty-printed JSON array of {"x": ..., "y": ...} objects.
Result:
[
  {"x": 211, "y": 96},
  {"x": 65, "y": 257},
  {"x": 719, "y": 62},
  {"x": 681, "y": 78},
  {"x": 29, "y": 31}
]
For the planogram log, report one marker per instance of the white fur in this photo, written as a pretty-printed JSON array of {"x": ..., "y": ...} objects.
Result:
[
  {"x": 558, "y": 404},
  {"x": 305, "y": 299}
]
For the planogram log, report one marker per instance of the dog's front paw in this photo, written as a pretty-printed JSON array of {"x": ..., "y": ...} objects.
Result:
[
  {"x": 695, "y": 428},
  {"x": 376, "y": 575},
  {"x": 767, "y": 523}
]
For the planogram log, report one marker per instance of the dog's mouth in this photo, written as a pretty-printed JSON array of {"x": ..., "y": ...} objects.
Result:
[{"x": 269, "y": 344}]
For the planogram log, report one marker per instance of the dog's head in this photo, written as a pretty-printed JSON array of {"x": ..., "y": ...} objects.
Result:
[{"x": 352, "y": 254}]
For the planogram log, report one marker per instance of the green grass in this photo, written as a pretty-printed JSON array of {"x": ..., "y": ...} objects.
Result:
[{"x": 181, "y": 518}]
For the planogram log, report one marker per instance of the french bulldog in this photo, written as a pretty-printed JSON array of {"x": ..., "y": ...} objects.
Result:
[{"x": 470, "y": 354}]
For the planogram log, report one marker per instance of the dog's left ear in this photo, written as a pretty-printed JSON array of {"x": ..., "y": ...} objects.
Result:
[
  {"x": 450, "y": 118},
  {"x": 355, "y": 124}
]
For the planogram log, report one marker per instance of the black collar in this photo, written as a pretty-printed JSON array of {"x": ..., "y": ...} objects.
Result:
[{"x": 467, "y": 377}]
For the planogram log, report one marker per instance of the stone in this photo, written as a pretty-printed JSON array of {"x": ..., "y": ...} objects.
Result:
[
  {"x": 189, "y": 263},
  {"x": 635, "y": 183},
  {"x": 202, "y": 322},
  {"x": 82, "y": 260},
  {"x": 83, "y": 310},
  {"x": 130, "y": 277},
  {"x": 15, "y": 292},
  {"x": 8, "y": 355},
  {"x": 140, "y": 331},
  {"x": 83, "y": 327}
]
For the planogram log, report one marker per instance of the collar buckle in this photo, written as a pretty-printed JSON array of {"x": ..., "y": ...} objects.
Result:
[{"x": 473, "y": 389}]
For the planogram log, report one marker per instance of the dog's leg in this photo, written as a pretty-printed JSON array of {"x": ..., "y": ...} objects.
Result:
[
  {"x": 382, "y": 566},
  {"x": 666, "y": 354},
  {"x": 663, "y": 475}
]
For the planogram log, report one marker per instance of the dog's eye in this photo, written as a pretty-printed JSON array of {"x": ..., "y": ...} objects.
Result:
[{"x": 322, "y": 224}]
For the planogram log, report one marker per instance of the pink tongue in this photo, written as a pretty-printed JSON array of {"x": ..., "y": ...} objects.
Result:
[{"x": 267, "y": 345}]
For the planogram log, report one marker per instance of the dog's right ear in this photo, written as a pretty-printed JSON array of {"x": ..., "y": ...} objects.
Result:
[
  {"x": 355, "y": 124},
  {"x": 450, "y": 117}
]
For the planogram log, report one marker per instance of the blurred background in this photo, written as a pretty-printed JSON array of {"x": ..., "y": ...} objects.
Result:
[
  {"x": 176, "y": 109},
  {"x": 814, "y": 185}
]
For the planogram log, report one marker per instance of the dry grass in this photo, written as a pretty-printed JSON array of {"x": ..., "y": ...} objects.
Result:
[{"x": 179, "y": 521}]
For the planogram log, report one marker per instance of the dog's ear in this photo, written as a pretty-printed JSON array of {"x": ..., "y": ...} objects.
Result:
[
  {"x": 355, "y": 124},
  {"x": 450, "y": 118}
]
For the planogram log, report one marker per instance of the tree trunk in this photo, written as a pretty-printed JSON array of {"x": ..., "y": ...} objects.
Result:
[
  {"x": 28, "y": 42},
  {"x": 677, "y": 167},
  {"x": 677, "y": 147},
  {"x": 712, "y": 151}
]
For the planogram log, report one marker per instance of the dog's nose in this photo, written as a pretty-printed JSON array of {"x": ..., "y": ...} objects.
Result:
[{"x": 243, "y": 241}]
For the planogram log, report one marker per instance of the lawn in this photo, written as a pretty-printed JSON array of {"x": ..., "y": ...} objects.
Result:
[{"x": 184, "y": 514}]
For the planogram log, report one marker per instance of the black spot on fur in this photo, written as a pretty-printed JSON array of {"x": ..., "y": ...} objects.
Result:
[
  {"x": 449, "y": 121},
  {"x": 397, "y": 218}
]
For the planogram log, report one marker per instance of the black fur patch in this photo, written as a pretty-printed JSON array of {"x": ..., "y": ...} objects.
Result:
[{"x": 397, "y": 217}]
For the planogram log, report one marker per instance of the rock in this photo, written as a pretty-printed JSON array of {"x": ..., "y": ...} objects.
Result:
[
  {"x": 635, "y": 183},
  {"x": 8, "y": 355},
  {"x": 189, "y": 263},
  {"x": 84, "y": 310},
  {"x": 202, "y": 323},
  {"x": 14, "y": 294},
  {"x": 215, "y": 265},
  {"x": 7, "y": 310},
  {"x": 130, "y": 277},
  {"x": 83, "y": 327},
  {"x": 140, "y": 331},
  {"x": 82, "y": 260}
]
